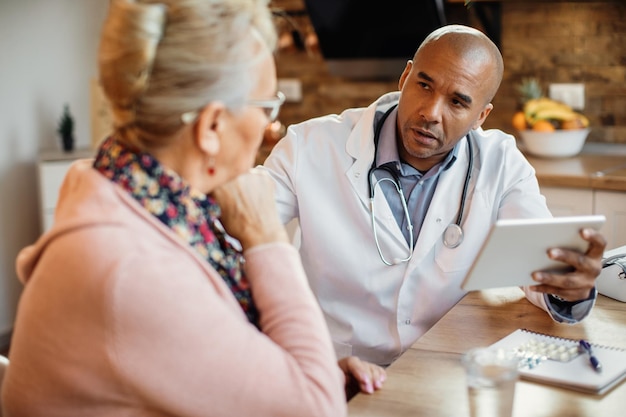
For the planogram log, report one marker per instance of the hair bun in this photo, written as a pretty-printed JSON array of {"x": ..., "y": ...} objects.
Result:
[{"x": 131, "y": 34}]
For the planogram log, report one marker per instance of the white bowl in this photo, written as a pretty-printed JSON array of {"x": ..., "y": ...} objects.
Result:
[{"x": 557, "y": 144}]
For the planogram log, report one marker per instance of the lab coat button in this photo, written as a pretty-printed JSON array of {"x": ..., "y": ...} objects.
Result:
[
  {"x": 407, "y": 322},
  {"x": 357, "y": 174}
]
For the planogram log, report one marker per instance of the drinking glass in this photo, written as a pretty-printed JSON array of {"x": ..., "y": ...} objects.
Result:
[{"x": 491, "y": 375}]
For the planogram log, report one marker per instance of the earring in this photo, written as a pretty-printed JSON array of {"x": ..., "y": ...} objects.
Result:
[
  {"x": 212, "y": 148},
  {"x": 211, "y": 169}
]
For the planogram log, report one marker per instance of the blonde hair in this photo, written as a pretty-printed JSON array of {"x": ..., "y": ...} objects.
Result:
[{"x": 162, "y": 58}]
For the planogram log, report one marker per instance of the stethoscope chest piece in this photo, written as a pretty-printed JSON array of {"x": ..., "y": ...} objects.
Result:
[{"x": 452, "y": 236}]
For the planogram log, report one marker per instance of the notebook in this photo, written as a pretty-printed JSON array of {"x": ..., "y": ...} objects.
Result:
[{"x": 558, "y": 361}]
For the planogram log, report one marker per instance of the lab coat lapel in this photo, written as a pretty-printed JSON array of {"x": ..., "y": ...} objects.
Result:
[{"x": 360, "y": 145}]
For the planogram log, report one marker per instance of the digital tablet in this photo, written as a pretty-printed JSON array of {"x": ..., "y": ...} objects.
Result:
[{"x": 515, "y": 248}]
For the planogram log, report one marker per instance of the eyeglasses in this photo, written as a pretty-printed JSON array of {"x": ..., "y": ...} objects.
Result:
[{"x": 270, "y": 106}]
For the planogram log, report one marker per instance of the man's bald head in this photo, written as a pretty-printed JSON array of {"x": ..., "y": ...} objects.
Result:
[{"x": 470, "y": 44}]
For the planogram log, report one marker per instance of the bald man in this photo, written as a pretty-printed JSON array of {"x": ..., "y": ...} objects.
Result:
[{"x": 385, "y": 272}]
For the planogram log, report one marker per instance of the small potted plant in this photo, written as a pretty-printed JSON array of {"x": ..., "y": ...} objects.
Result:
[{"x": 66, "y": 129}]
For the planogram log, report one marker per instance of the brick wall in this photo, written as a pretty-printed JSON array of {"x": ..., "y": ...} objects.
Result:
[
  {"x": 582, "y": 42},
  {"x": 555, "y": 41}
]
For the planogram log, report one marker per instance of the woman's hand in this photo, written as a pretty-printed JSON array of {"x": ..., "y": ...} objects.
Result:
[
  {"x": 361, "y": 376},
  {"x": 249, "y": 209}
]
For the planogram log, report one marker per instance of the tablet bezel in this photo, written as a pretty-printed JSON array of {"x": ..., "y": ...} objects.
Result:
[{"x": 514, "y": 248}]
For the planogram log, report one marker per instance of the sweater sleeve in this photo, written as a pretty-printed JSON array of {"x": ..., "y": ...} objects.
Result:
[
  {"x": 185, "y": 346},
  {"x": 292, "y": 318}
]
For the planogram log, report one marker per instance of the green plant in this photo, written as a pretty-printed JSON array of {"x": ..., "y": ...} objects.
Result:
[
  {"x": 66, "y": 123},
  {"x": 529, "y": 89},
  {"x": 66, "y": 129}
]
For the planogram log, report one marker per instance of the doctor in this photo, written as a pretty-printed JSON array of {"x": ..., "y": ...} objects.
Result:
[{"x": 394, "y": 201}]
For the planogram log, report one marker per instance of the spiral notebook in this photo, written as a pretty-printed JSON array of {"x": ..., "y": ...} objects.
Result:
[{"x": 558, "y": 361}]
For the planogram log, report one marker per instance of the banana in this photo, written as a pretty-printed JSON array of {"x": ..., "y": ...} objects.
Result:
[
  {"x": 531, "y": 106},
  {"x": 554, "y": 113},
  {"x": 544, "y": 108}
]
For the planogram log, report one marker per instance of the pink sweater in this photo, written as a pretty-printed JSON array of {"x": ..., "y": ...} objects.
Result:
[{"x": 120, "y": 317}]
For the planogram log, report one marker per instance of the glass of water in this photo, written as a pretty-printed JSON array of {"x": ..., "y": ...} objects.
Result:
[{"x": 491, "y": 375}]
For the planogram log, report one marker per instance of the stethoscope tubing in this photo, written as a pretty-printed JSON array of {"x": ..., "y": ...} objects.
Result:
[
  {"x": 454, "y": 233},
  {"x": 396, "y": 183}
]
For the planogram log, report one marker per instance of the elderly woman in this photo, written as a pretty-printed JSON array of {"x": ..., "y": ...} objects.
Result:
[{"x": 139, "y": 302}]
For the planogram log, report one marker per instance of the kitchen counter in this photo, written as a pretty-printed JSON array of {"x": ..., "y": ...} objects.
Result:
[{"x": 598, "y": 166}]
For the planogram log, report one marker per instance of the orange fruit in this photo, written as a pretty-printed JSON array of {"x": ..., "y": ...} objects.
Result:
[
  {"x": 543, "y": 126},
  {"x": 519, "y": 121}
]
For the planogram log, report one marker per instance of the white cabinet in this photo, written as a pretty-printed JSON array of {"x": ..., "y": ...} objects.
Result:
[
  {"x": 564, "y": 201},
  {"x": 613, "y": 205},
  {"x": 52, "y": 167},
  {"x": 568, "y": 201}
]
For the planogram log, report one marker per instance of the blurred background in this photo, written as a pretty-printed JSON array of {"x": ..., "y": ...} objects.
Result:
[{"x": 48, "y": 50}]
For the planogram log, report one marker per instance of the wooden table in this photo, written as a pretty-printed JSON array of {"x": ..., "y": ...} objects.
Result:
[{"x": 428, "y": 379}]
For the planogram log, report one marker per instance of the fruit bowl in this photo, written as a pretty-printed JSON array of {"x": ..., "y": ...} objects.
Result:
[{"x": 556, "y": 144}]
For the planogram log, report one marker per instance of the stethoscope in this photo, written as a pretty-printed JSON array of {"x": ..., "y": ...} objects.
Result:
[{"x": 453, "y": 234}]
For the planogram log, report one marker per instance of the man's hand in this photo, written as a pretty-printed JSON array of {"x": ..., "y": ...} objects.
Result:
[
  {"x": 361, "y": 376},
  {"x": 577, "y": 284}
]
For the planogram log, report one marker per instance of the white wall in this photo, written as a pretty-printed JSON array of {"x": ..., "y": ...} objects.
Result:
[{"x": 48, "y": 51}]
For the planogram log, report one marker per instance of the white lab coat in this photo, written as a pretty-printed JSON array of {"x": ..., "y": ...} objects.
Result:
[{"x": 375, "y": 311}]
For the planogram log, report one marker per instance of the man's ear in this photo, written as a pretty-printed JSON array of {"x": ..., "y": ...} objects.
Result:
[
  {"x": 483, "y": 116},
  {"x": 405, "y": 74},
  {"x": 206, "y": 130}
]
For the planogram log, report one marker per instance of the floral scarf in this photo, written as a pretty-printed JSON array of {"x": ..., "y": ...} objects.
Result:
[{"x": 193, "y": 216}]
